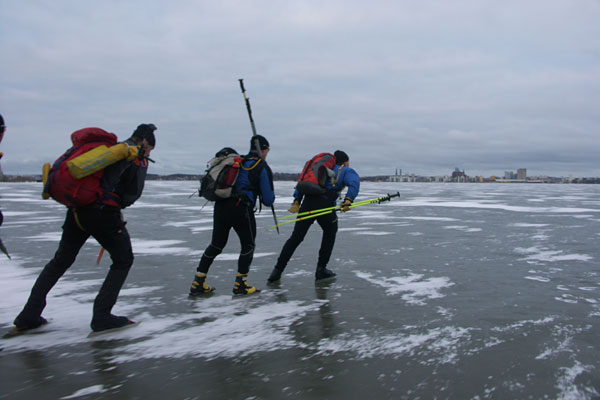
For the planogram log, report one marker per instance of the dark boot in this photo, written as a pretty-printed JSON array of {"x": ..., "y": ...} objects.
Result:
[
  {"x": 22, "y": 324},
  {"x": 324, "y": 273},
  {"x": 275, "y": 276},
  {"x": 241, "y": 286},
  {"x": 199, "y": 285},
  {"x": 107, "y": 296},
  {"x": 111, "y": 322}
]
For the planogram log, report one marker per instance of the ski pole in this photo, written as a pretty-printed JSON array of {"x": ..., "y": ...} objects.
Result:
[
  {"x": 322, "y": 210},
  {"x": 355, "y": 204},
  {"x": 247, "y": 100},
  {"x": 315, "y": 213},
  {"x": 301, "y": 219},
  {"x": 256, "y": 143}
]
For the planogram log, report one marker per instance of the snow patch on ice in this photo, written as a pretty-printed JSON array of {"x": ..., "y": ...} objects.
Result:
[
  {"x": 45, "y": 237},
  {"x": 462, "y": 228},
  {"x": 526, "y": 225},
  {"x": 235, "y": 256},
  {"x": 538, "y": 278},
  {"x": 160, "y": 247},
  {"x": 86, "y": 391},
  {"x": 231, "y": 327},
  {"x": 537, "y": 254},
  {"x": 181, "y": 224},
  {"x": 445, "y": 219},
  {"x": 567, "y": 386},
  {"x": 522, "y": 324},
  {"x": 414, "y": 288},
  {"x": 352, "y": 229},
  {"x": 21, "y": 213},
  {"x": 373, "y": 233},
  {"x": 482, "y": 205},
  {"x": 438, "y": 344}
]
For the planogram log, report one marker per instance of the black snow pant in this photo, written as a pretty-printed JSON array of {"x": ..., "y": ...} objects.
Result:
[
  {"x": 237, "y": 214},
  {"x": 329, "y": 224},
  {"x": 107, "y": 227}
]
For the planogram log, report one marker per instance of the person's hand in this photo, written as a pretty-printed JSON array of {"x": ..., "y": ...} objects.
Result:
[
  {"x": 345, "y": 206},
  {"x": 295, "y": 208}
]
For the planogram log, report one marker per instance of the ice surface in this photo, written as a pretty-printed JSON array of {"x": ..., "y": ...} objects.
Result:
[{"x": 499, "y": 283}]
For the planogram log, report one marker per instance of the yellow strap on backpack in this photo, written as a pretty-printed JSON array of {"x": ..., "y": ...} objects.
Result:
[
  {"x": 99, "y": 158},
  {"x": 45, "y": 172}
]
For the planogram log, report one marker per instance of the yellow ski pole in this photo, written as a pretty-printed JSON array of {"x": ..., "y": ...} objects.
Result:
[
  {"x": 323, "y": 211},
  {"x": 301, "y": 219},
  {"x": 362, "y": 202}
]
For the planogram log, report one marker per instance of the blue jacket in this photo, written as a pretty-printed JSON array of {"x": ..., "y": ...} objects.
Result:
[
  {"x": 343, "y": 177},
  {"x": 264, "y": 180}
]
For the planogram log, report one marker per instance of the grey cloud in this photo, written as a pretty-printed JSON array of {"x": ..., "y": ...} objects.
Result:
[{"x": 423, "y": 86}]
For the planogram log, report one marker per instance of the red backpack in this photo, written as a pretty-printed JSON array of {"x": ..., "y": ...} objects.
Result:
[
  {"x": 315, "y": 173},
  {"x": 65, "y": 189}
]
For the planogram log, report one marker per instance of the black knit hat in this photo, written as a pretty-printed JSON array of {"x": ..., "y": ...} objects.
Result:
[
  {"x": 2, "y": 126},
  {"x": 262, "y": 142},
  {"x": 146, "y": 131},
  {"x": 225, "y": 151},
  {"x": 340, "y": 157}
]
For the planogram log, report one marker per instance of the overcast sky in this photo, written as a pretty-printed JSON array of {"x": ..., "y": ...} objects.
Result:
[{"x": 424, "y": 86}]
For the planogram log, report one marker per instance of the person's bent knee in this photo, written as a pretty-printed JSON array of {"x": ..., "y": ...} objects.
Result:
[
  {"x": 247, "y": 249},
  {"x": 123, "y": 262}
]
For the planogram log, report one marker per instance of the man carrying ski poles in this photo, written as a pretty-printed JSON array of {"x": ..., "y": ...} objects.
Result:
[
  {"x": 343, "y": 176},
  {"x": 254, "y": 180},
  {"x": 121, "y": 184}
]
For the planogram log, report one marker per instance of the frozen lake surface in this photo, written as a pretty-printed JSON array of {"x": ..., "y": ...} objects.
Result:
[{"x": 461, "y": 291}]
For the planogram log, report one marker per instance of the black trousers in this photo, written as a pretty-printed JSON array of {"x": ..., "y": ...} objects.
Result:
[
  {"x": 327, "y": 222},
  {"x": 106, "y": 226},
  {"x": 228, "y": 214}
]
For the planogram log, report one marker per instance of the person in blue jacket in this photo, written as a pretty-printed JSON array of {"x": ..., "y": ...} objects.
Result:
[
  {"x": 343, "y": 176},
  {"x": 255, "y": 180}
]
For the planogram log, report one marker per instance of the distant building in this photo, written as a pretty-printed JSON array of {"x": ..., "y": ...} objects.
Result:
[
  {"x": 458, "y": 175},
  {"x": 397, "y": 177},
  {"x": 522, "y": 174}
]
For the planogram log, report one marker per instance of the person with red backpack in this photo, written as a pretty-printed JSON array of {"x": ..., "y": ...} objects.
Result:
[
  {"x": 254, "y": 180},
  {"x": 119, "y": 186},
  {"x": 319, "y": 188}
]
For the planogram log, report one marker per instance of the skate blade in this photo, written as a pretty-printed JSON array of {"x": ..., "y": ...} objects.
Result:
[
  {"x": 14, "y": 332},
  {"x": 202, "y": 295},
  {"x": 121, "y": 328},
  {"x": 242, "y": 295},
  {"x": 325, "y": 281}
]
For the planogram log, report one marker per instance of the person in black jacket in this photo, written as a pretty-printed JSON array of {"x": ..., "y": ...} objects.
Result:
[
  {"x": 255, "y": 180},
  {"x": 104, "y": 221}
]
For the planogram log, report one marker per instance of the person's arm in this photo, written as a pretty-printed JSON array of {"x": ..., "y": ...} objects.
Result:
[
  {"x": 266, "y": 188},
  {"x": 132, "y": 183},
  {"x": 352, "y": 182},
  {"x": 298, "y": 196}
]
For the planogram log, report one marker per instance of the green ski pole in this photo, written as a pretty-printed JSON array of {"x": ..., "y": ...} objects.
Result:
[
  {"x": 317, "y": 213},
  {"x": 356, "y": 204}
]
